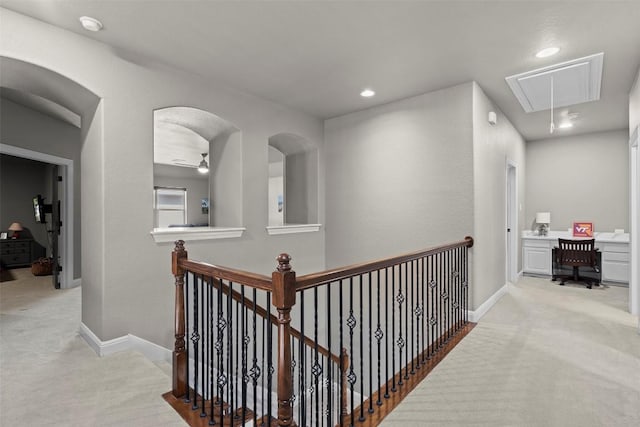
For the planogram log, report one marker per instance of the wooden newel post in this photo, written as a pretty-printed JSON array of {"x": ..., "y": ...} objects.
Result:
[
  {"x": 284, "y": 297},
  {"x": 179, "y": 387}
]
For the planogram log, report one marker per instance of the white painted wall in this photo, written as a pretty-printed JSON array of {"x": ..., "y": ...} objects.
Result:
[
  {"x": 29, "y": 129},
  {"x": 579, "y": 178},
  {"x": 20, "y": 181},
  {"x": 493, "y": 147},
  {"x": 120, "y": 259},
  {"x": 399, "y": 177}
]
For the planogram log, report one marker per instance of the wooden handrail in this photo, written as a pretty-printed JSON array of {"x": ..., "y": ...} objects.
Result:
[
  {"x": 254, "y": 280},
  {"x": 316, "y": 279}
]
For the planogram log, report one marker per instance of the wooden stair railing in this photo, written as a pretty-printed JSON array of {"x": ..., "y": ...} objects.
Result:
[{"x": 391, "y": 321}]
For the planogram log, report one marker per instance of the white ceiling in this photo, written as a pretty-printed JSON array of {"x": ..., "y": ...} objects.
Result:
[{"x": 317, "y": 56}]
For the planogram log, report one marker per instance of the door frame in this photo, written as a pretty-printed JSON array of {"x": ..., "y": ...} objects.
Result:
[
  {"x": 66, "y": 206},
  {"x": 511, "y": 221},
  {"x": 634, "y": 223}
]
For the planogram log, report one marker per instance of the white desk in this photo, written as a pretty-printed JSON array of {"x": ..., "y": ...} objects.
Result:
[{"x": 536, "y": 253}]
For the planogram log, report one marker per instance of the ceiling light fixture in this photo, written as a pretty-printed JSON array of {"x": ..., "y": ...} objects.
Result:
[
  {"x": 367, "y": 93},
  {"x": 90, "y": 24},
  {"x": 203, "y": 167},
  {"x": 565, "y": 125},
  {"x": 550, "y": 51}
]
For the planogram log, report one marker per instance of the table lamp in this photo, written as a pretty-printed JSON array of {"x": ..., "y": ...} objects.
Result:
[
  {"x": 16, "y": 227},
  {"x": 543, "y": 219}
]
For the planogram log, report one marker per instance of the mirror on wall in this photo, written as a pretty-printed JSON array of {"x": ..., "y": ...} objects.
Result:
[{"x": 196, "y": 154}]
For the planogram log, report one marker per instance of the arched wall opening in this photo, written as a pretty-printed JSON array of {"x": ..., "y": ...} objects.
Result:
[
  {"x": 198, "y": 169},
  {"x": 49, "y": 117},
  {"x": 293, "y": 180}
]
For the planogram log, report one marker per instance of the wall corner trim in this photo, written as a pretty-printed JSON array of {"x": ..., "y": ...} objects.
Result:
[
  {"x": 151, "y": 351},
  {"x": 475, "y": 316}
]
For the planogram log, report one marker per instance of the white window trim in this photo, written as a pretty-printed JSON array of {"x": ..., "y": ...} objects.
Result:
[
  {"x": 274, "y": 230},
  {"x": 164, "y": 235}
]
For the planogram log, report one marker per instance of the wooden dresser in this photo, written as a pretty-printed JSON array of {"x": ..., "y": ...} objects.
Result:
[{"x": 16, "y": 252}]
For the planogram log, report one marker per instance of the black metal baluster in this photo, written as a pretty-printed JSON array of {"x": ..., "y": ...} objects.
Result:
[
  {"x": 195, "y": 340},
  {"x": 433, "y": 321},
  {"x": 302, "y": 385},
  {"x": 269, "y": 357},
  {"x": 360, "y": 280},
  {"x": 466, "y": 286},
  {"x": 351, "y": 322},
  {"x": 342, "y": 379},
  {"x": 238, "y": 350},
  {"x": 393, "y": 330},
  {"x": 378, "y": 335},
  {"x": 316, "y": 370},
  {"x": 423, "y": 304},
  {"x": 443, "y": 315},
  {"x": 407, "y": 308},
  {"x": 400, "y": 300},
  {"x": 370, "y": 333},
  {"x": 211, "y": 347},
  {"x": 329, "y": 378},
  {"x": 202, "y": 350},
  {"x": 262, "y": 363},
  {"x": 255, "y": 369},
  {"x": 449, "y": 305},
  {"x": 456, "y": 288},
  {"x": 410, "y": 284},
  {"x": 186, "y": 316},
  {"x": 230, "y": 352},
  {"x": 221, "y": 324},
  {"x": 245, "y": 348},
  {"x": 321, "y": 416},
  {"x": 386, "y": 331},
  {"x": 447, "y": 299}
]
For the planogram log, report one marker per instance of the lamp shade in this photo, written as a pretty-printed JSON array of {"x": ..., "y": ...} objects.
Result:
[
  {"x": 543, "y": 217},
  {"x": 16, "y": 226}
]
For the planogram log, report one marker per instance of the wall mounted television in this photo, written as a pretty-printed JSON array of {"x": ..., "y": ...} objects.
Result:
[{"x": 40, "y": 209}]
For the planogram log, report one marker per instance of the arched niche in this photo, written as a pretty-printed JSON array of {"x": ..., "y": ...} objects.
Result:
[
  {"x": 293, "y": 184},
  {"x": 184, "y": 138}
]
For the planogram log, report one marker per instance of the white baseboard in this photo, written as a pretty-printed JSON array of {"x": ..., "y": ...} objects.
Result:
[
  {"x": 476, "y": 315},
  {"x": 151, "y": 351}
]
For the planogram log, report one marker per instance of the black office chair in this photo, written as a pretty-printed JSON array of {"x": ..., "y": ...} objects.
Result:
[{"x": 577, "y": 254}]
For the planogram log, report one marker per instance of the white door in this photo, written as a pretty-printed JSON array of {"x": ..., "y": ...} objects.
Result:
[{"x": 512, "y": 224}]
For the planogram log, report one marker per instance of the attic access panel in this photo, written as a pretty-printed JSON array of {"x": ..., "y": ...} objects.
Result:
[{"x": 574, "y": 82}]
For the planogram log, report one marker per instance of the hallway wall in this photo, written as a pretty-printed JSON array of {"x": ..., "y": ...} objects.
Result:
[
  {"x": 127, "y": 269},
  {"x": 399, "y": 176},
  {"x": 579, "y": 178}
]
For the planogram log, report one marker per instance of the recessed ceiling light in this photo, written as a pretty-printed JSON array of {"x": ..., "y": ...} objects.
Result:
[
  {"x": 565, "y": 125},
  {"x": 90, "y": 24},
  {"x": 367, "y": 93},
  {"x": 550, "y": 51}
]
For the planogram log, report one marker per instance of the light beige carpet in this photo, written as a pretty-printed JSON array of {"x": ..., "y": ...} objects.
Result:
[
  {"x": 545, "y": 355},
  {"x": 49, "y": 376}
]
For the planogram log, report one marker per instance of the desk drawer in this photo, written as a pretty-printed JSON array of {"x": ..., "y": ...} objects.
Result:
[
  {"x": 530, "y": 243},
  {"x": 614, "y": 247},
  {"x": 615, "y": 256}
]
